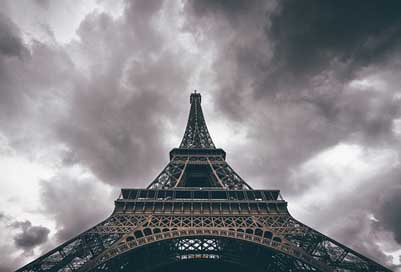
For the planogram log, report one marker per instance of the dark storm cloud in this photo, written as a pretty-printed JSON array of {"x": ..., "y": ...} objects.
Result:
[
  {"x": 12, "y": 51},
  {"x": 301, "y": 40},
  {"x": 388, "y": 213},
  {"x": 29, "y": 236},
  {"x": 230, "y": 9},
  {"x": 309, "y": 36},
  {"x": 19, "y": 235},
  {"x": 10, "y": 41}
]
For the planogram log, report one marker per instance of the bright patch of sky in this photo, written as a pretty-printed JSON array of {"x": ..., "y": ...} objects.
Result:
[
  {"x": 396, "y": 256},
  {"x": 19, "y": 181},
  {"x": 397, "y": 126},
  {"x": 368, "y": 83},
  {"x": 60, "y": 19},
  {"x": 339, "y": 170},
  {"x": 227, "y": 135}
]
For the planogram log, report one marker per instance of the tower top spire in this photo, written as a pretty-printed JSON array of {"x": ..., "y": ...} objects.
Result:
[
  {"x": 196, "y": 133},
  {"x": 194, "y": 96}
]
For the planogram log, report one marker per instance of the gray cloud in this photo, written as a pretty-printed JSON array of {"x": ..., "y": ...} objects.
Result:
[
  {"x": 309, "y": 37},
  {"x": 19, "y": 235},
  {"x": 30, "y": 236},
  {"x": 4, "y": 268},
  {"x": 387, "y": 213},
  {"x": 30, "y": 94},
  {"x": 10, "y": 41},
  {"x": 43, "y": 3},
  {"x": 75, "y": 208}
]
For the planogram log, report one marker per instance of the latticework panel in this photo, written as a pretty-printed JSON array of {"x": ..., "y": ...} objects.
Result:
[
  {"x": 171, "y": 174},
  {"x": 122, "y": 233},
  {"x": 192, "y": 252},
  {"x": 329, "y": 251},
  {"x": 226, "y": 177}
]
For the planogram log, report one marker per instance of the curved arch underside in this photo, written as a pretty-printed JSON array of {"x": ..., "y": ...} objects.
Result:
[{"x": 202, "y": 253}]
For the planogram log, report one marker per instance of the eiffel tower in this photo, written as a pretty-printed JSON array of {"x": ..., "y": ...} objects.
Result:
[{"x": 200, "y": 214}]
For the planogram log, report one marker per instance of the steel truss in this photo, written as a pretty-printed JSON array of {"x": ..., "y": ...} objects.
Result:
[
  {"x": 275, "y": 231},
  {"x": 225, "y": 176},
  {"x": 212, "y": 250}
]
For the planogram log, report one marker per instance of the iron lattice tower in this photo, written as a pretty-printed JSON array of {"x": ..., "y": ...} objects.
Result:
[{"x": 200, "y": 214}]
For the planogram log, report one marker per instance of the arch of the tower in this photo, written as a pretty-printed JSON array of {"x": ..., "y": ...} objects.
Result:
[
  {"x": 171, "y": 250},
  {"x": 204, "y": 253}
]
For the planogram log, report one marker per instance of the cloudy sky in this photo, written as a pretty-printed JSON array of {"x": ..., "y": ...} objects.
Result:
[{"x": 304, "y": 96}]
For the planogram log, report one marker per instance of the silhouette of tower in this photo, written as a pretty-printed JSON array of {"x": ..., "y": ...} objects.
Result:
[{"x": 200, "y": 214}]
